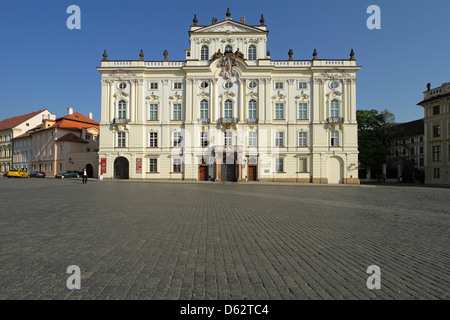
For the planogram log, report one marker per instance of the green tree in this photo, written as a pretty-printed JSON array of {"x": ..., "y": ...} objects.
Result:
[{"x": 374, "y": 136}]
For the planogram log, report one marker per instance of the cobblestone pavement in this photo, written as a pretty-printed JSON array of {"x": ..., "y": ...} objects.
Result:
[{"x": 135, "y": 240}]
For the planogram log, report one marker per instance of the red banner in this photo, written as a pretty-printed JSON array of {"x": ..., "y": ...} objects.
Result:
[
  {"x": 138, "y": 165},
  {"x": 103, "y": 165}
]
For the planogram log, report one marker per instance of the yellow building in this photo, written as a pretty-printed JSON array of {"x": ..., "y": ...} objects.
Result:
[
  {"x": 229, "y": 112},
  {"x": 436, "y": 105}
]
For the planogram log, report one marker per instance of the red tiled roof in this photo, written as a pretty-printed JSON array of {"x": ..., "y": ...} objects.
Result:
[
  {"x": 71, "y": 138},
  {"x": 15, "y": 121},
  {"x": 79, "y": 118}
]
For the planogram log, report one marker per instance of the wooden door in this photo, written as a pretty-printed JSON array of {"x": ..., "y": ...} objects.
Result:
[
  {"x": 252, "y": 173},
  {"x": 203, "y": 173}
]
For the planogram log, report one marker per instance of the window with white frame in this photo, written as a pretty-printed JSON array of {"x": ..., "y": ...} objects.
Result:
[
  {"x": 228, "y": 48},
  {"x": 204, "y": 53},
  {"x": 279, "y": 84},
  {"x": 279, "y": 137},
  {"x": 153, "y": 165},
  {"x": 302, "y": 85},
  {"x": 204, "y": 139},
  {"x": 176, "y": 165},
  {"x": 252, "y": 140},
  {"x": 153, "y": 85},
  {"x": 436, "y": 173},
  {"x": 279, "y": 165},
  {"x": 204, "y": 109},
  {"x": 177, "y": 85},
  {"x": 176, "y": 111},
  {"x": 302, "y": 139},
  {"x": 153, "y": 111},
  {"x": 153, "y": 140},
  {"x": 252, "y": 109},
  {"x": 228, "y": 110},
  {"x": 302, "y": 111},
  {"x": 122, "y": 109},
  {"x": 302, "y": 165},
  {"x": 335, "y": 138},
  {"x": 334, "y": 110},
  {"x": 228, "y": 138},
  {"x": 177, "y": 139},
  {"x": 279, "y": 110},
  {"x": 121, "y": 139},
  {"x": 437, "y": 153},
  {"x": 252, "y": 52}
]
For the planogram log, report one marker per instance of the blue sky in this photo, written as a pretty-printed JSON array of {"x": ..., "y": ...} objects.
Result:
[{"x": 45, "y": 65}]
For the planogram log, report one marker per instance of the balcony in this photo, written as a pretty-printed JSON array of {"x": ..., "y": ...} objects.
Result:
[
  {"x": 120, "y": 121},
  {"x": 203, "y": 121},
  {"x": 227, "y": 120},
  {"x": 335, "y": 120},
  {"x": 252, "y": 121}
]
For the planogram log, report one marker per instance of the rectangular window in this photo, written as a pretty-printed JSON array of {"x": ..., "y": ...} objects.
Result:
[
  {"x": 302, "y": 142},
  {"x": 60, "y": 149},
  {"x": 153, "y": 140},
  {"x": 279, "y": 111},
  {"x": 302, "y": 166},
  {"x": 302, "y": 111},
  {"x": 302, "y": 85},
  {"x": 411, "y": 151},
  {"x": 421, "y": 162},
  {"x": 279, "y": 85},
  {"x": 436, "y": 153},
  {"x": 204, "y": 139},
  {"x": 279, "y": 165},
  {"x": 335, "y": 139},
  {"x": 421, "y": 150},
  {"x": 436, "y": 131},
  {"x": 176, "y": 165},
  {"x": 153, "y": 85},
  {"x": 252, "y": 139},
  {"x": 177, "y": 85},
  {"x": 436, "y": 173},
  {"x": 436, "y": 110},
  {"x": 60, "y": 167},
  {"x": 279, "y": 138},
  {"x": 177, "y": 139},
  {"x": 228, "y": 138},
  {"x": 177, "y": 111},
  {"x": 153, "y": 165},
  {"x": 121, "y": 139},
  {"x": 153, "y": 111}
]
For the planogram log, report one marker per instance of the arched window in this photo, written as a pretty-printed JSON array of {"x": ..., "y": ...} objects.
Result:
[
  {"x": 252, "y": 109},
  {"x": 334, "y": 112},
  {"x": 204, "y": 53},
  {"x": 122, "y": 109},
  {"x": 228, "y": 48},
  {"x": 252, "y": 52},
  {"x": 204, "y": 109},
  {"x": 228, "y": 112}
]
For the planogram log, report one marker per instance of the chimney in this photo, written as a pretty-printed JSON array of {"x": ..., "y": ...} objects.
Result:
[
  {"x": 69, "y": 111},
  {"x": 90, "y": 115}
]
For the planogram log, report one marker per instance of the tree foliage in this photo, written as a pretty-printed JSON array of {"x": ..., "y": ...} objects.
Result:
[{"x": 374, "y": 136}]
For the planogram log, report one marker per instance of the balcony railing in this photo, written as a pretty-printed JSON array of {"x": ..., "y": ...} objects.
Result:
[
  {"x": 335, "y": 120},
  {"x": 227, "y": 120},
  {"x": 252, "y": 121},
  {"x": 203, "y": 120},
  {"x": 120, "y": 121}
]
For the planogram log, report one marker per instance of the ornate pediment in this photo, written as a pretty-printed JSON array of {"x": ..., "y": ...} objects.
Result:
[
  {"x": 228, "y": 27},
  {"x": 302, "y": 97},
  {"x": 152, "y": 98}
]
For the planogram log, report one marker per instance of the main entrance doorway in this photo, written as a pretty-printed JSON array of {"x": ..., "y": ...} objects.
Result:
[
  {"x": 228, "y": 167},
  {"x": 90, "y": 170},
  {"x": 203, "y": 173},
  {"x": 252, "y": 173},
  {"x": 121, "y": 168}
]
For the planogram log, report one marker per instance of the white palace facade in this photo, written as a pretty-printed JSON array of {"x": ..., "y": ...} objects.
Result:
[{"x": 228, "y": 112}]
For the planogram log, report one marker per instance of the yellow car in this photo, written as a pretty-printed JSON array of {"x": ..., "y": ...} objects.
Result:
[{"x": 17, "y": 173}]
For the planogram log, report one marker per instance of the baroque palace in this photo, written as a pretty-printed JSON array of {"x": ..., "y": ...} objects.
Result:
[{"x": 228, "y": 112}]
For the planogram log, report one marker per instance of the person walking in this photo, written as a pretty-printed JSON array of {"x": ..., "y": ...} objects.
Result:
[{"x": 85, "y": 176}]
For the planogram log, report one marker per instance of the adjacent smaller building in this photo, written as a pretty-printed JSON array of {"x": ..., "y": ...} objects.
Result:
[
  {"x": 407, "y": 151},
  {"x": 13, "y": 127},
  {"x": 436, "y": 105}
]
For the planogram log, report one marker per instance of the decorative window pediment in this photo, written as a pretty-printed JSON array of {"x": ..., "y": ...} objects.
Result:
[
  {"x": 302, "y": 98},
  {"x": 121, "y": 94},
  {"x": 152, "y": 99},
  {"x": 228, "y": 95},
  {"x": 279, "y": 98},
  {"x": 176, "y": 98},
  {"x": 252, "y": 95},
  {"x": 203, "y": 95}
]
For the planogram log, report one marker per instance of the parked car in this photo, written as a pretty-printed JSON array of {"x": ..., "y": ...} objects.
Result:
[
  {"x": 17, "y": 173},
  {"x": 37, "y": 174},
  {"x": 69, "y": 174}
]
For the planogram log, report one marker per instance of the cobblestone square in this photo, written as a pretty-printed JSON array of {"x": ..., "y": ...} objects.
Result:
[{"x": 140, "y": 240}]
